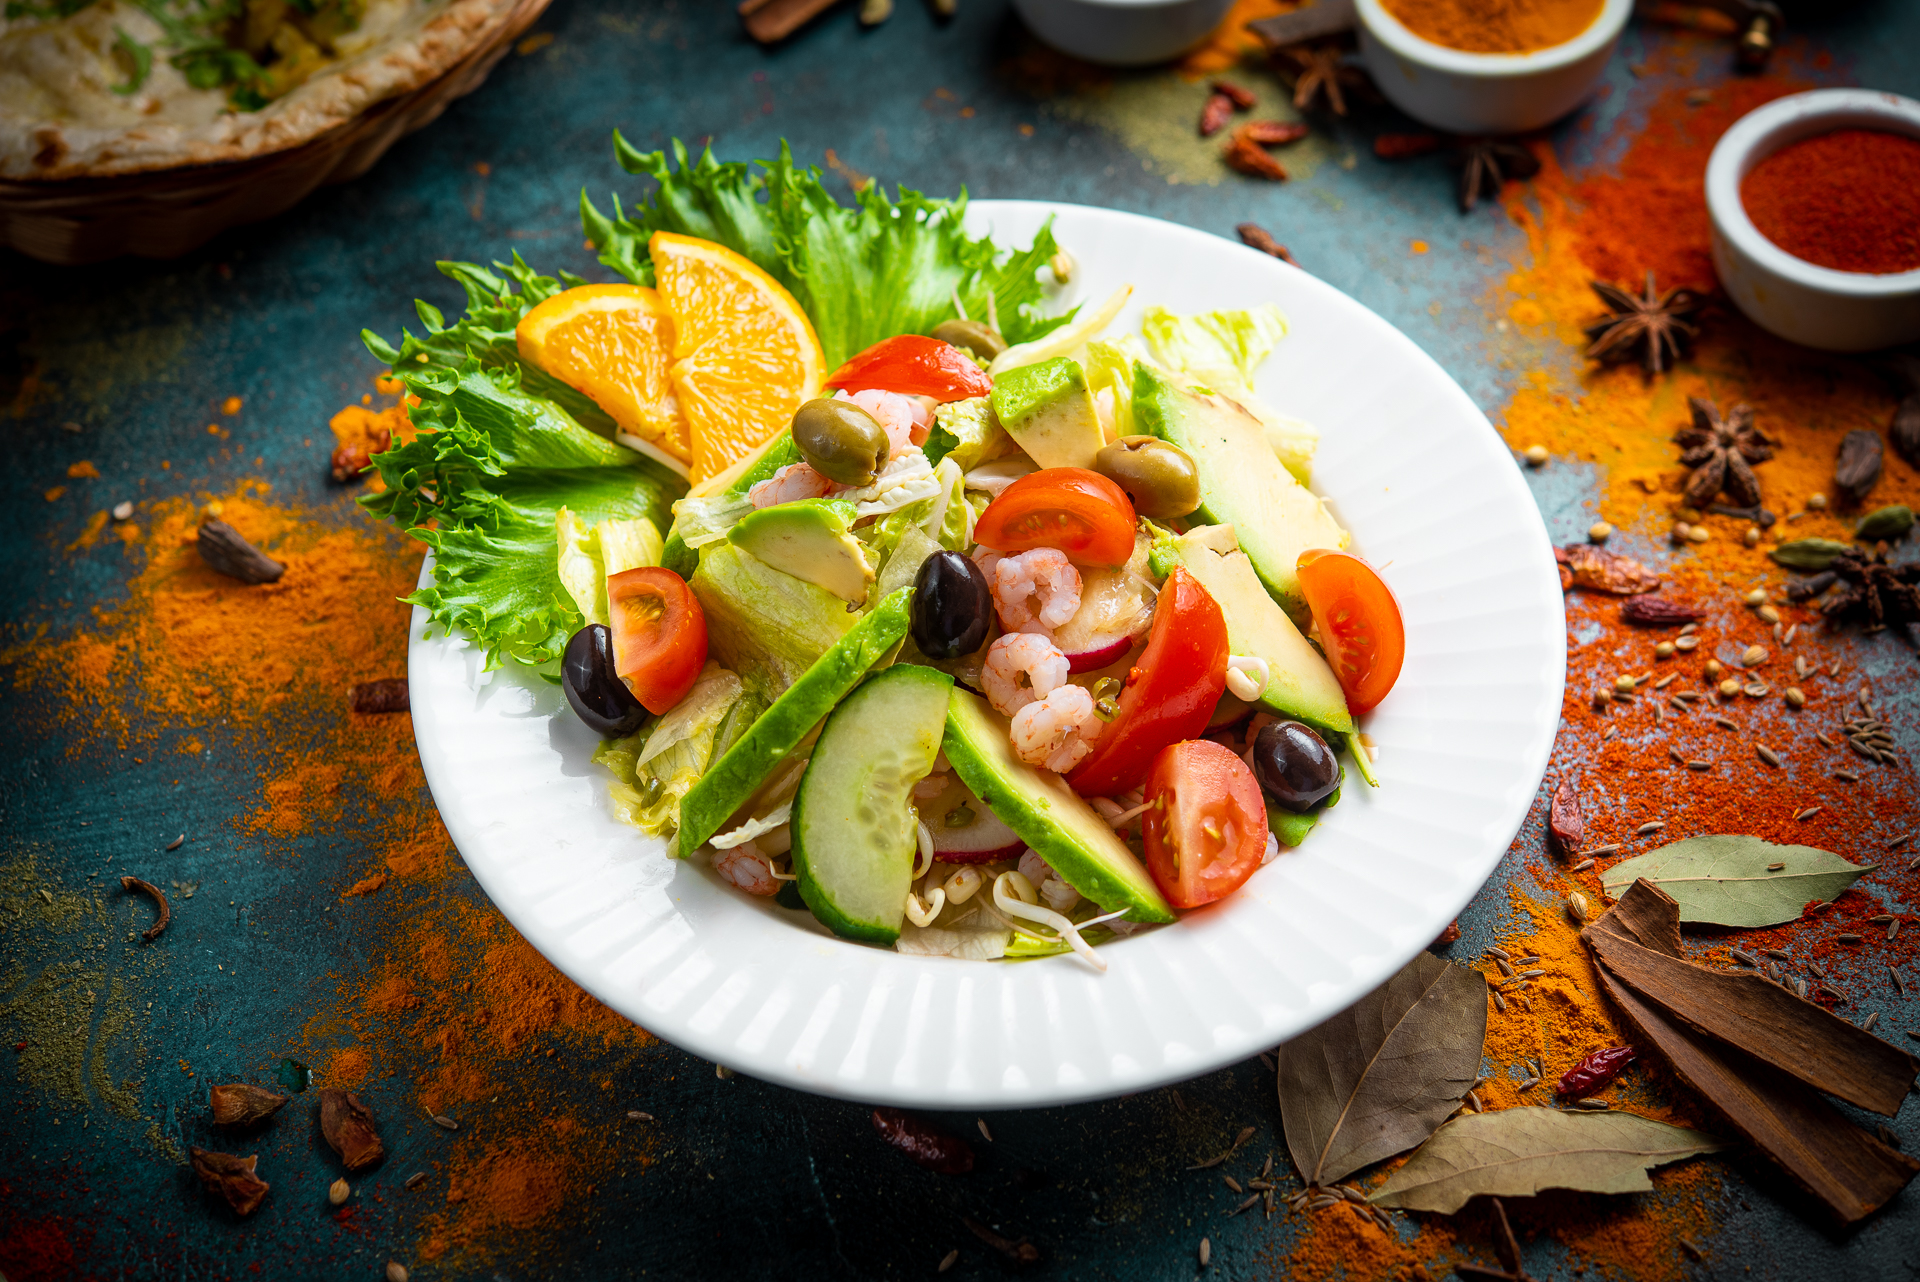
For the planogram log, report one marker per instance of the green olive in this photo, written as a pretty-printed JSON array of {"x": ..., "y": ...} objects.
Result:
[
  {"x": 978, "y": 337},
  {"x": 1158, "y": 477},
  {"x": 840, "y": 440}
]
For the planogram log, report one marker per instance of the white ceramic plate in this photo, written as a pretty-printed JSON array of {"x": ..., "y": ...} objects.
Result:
[{"x": 1434, "y": 500}]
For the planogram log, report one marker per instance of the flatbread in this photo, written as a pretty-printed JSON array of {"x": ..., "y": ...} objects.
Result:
[{"x": 61, "y": 119}]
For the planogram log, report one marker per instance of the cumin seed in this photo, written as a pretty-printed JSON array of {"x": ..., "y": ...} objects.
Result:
[
  {"x": 1846, "y": 939},
  {"x": 1499, "y": 952},
  {"x": 1528, "y": 960},
  {"x": 1881, "y": 919},
  {"x": 1800, "y": 989},
  {"x": 1473, "y": 1102},
  {"x": 1650, "y": 827},
  {"x": 1893, "y": 930},
  {"x": 1700, "y": 764},
  {"x": 1319, "y": 1203},
  {"x": 1744, "y": 957},
  {"x": 177, "y": 842},
  {"x": 1809, "y": 812},
  {"x": 1780, "y": 953},
  {"x": 1499, "y": 1003},
  {"x": 1688, "y": 1246},
  {"x": 1601, "y": 850},
  {"x": 948, "y": 1260},
  {"x": 1775, "y": 867},
  {"x": 1506, "y": 967},
  {"x": 1725, "y": 724},
  {"x": 1846, "y": 776},
  {"x": 635, "y": 1115},
  {"x": 1591, "y": 1103},
  {"x": 1353, "y": 1194},
  {"x": 415, "y": 1180},
  {"x": 1675, "y": 754},
  {"x": 1823, "y": 739},
  {"x": 1666, "y": 681},
  {"x": 1206, "y": 1252},
  {"x": 1583, "y": 865},
  {"x": 1866, "y": 1025},
  {"x": 1267, "y": 1168},
  {"x": 1899, "y": 841},
  {"x": 1767, "y": 755},
  {"x": 985, "y": 1134},
  {"x": 1232, "y": 1183},
  {"x": 1817, "y": 969},
  {"x": 1532, "y": 974},
  {"x": 444, "y": 1123},
  {"x": 1608, "y": 732}
]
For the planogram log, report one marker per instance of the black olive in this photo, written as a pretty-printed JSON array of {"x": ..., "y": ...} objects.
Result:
[
  {"x": 597, "y": 694},
  {"x": 1295, "y": 765},
  {"x": 952, "y": 606}
]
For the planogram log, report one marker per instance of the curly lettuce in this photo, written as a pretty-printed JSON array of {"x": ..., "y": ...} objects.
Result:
[{"x": 880, "y": 268}]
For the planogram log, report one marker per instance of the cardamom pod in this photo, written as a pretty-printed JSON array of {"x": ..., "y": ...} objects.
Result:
[
  {"x": 1857, "y": 469},
  {"x": 1807, "y": 554},
  {"x": 1884, "y": 524}
]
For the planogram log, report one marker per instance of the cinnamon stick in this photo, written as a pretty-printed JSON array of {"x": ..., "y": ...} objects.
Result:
[
  {"x": 1846, "y": 1169},
  {"x": 1765, "y": 1020}
]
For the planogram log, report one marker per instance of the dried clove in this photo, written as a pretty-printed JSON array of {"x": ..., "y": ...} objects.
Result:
[
  {"x": 231, "y": 1178},
  {"x": 1274, "y": 133},
  {"x": 1261, "y": 239},
  {"x": 1250, "y": 158},
  {"x": 160, "y": 900},
  {"x": 238, "y": 1104},
  {"x": 227, "y": 551},
  {"x": 924, "y": 1143},
  {"x": 347, "y": 1126},
  {"x": 1019, "y": 1251},
  {"x": 1564, "y": 820},
  {"x": 389, "y": 694},
  {"x": 1214, "y": 116},
  {"x": 1857, "y": 469}
]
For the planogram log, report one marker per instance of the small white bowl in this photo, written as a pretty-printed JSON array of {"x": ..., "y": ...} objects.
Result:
[
  {"x": 1815, "y": 306},
  {"x": 1123, "y": 33},
  {"x": 1485, "y": 93}
]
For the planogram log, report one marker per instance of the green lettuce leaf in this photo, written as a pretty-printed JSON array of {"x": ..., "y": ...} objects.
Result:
[
  {"x": 880, "y": 268},
  {"x": 495, "y": 456}
]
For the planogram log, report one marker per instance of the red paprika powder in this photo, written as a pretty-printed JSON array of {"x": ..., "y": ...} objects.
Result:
[{"x": 1849, "y": 200}]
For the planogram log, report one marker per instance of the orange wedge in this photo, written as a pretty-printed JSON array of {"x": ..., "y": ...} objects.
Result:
[
  {"x": 745, "y": 356},
  {"x": 615, "y": 343}
]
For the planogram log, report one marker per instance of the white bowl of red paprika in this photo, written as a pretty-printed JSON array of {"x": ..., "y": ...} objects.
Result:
[{"x": 1815, "y": 201}]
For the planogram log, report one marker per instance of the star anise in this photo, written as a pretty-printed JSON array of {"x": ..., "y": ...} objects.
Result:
[
  {"x": 1721, "y": 452},
  {"x": 1877, "y": 593},
  {"x": 1658, "y": 321},
  {"x": 1317, "y": 68},
  {"x": 1486, "y": 165}
]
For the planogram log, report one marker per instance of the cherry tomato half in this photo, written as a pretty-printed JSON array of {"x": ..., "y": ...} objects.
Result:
[
  {"x": 1071, "y": 508},
  {"x": 659, "y": 634},
  {"x": 914, "y": 365},
  {"x": 1205, "y": 824},
  {"x": 1359, "y": 623},
  {"x": 1170, "y": 693}
]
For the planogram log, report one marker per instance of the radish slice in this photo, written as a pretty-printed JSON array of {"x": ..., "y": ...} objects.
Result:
[
  {"x": 964, "y": 830},
  {"x": 1102, "y": 653}
]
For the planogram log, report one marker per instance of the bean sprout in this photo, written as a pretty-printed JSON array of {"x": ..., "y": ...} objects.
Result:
[
  {"x": 1009, "y": 898},
  {"x": 963, "y": 884},
  {"x": 923, "y": 914},
  {"x": 1247, "y": 676},
  {"x": 925, "y": 861},
  {"x": 1124, "y": 817},
  {"x": 1273, "y": 850},
  {"x": 777, "y": 875}
]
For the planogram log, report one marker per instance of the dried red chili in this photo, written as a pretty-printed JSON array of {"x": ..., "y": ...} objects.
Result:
[
  {"x": 923, "y": 1142},
  {"x": 1241, "y": 98},
  {"x": 1659, "y": 612},
  {"x": 1594, "y": 1073},
  {"x": 1564, "y": 820},
  {"x": 1246, "y": 155},
  {"x": 1274, "y": 133}
]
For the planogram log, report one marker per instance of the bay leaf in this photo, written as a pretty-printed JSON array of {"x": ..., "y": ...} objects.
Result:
[
  {"x": 1380, "y": 1076},
  {"x": 1724, "y": 881},
  {"x": 1517, "y": 1152}
]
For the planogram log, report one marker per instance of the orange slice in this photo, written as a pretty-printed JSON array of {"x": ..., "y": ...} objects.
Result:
[
  {"x": 615, "y": 343},
  {"x": 745, "y": 356}
]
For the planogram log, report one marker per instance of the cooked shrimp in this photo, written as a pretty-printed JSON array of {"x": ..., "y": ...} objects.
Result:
[
  {"x": 900, "y": 416},
  {"x": 791, "y": 483},
  {"x": 1043, "y": 575},
  {"x": 1021, "y": 667},
  {"x": 747, "y": 869},
  {"x": 1057, "y": 732}
]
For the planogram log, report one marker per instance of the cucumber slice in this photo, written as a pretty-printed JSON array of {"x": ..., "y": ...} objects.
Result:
[{"x": 853, "y": 828}]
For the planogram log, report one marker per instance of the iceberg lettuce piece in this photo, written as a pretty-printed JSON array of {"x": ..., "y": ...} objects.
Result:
[
  {"x": 655, "y": 767},
  {"x": 968, "y": 433},
  {"x": 1219, "y": 351},
  {"x": 588, "y": 554}
]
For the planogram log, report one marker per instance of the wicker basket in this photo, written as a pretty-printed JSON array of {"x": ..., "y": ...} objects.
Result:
[{"x": 169, "y": 212}]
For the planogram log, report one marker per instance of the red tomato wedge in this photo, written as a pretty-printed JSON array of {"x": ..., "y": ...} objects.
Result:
[
  {"x": 1359, "y": 623},
  {"x": 1170, "y": 692},
  {"x": 1078, "y": 511},
  {"x": 1205, "y": 824},
  {"x": 659, "y": 634},
  {"x": 914, "y": 365}
]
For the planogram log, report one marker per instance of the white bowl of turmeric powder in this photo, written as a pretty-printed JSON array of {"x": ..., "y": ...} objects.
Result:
[{"x": 1488, "y": 66}]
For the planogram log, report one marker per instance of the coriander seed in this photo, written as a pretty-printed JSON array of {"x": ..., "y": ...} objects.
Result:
[
  {"x": 1816, "y": 502},
  {"x": 1729, "y": 688},
  {"x": 1599, "y": 532},
  {"x": 1664, "y": 650},
  {"x": 1536, "y": 456},
  {"x": 1795, "y": 697}
]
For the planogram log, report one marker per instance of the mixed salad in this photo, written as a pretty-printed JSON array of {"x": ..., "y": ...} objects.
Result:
[{"x": 972, "y": 630}]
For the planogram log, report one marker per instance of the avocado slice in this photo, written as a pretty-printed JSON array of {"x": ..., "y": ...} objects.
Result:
[
  {"x": 778, "y": 451},
  {"x": 763, "y": 623},
  {"x": 732, "y": 779},
  {"x": 1300, "y": 685},
  {"x": 1049, "y": 816},
  {"x": 811, "y": 539},
  {"x": 1047, "y": 408},
  {"x": 1242, "y": 481}
]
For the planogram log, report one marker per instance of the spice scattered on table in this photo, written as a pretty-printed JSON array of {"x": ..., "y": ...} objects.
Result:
[
  {"x": 152, "y": 892},
  {"x": 230, "y": 1178},
  {"x": 924, "y": 1144},
  {"x": 227, "y": 551},
  {"x": 1658, "y": 325},
  {"x": 347, "y": 1126},
  {"x": 238, "y": 1104}
]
